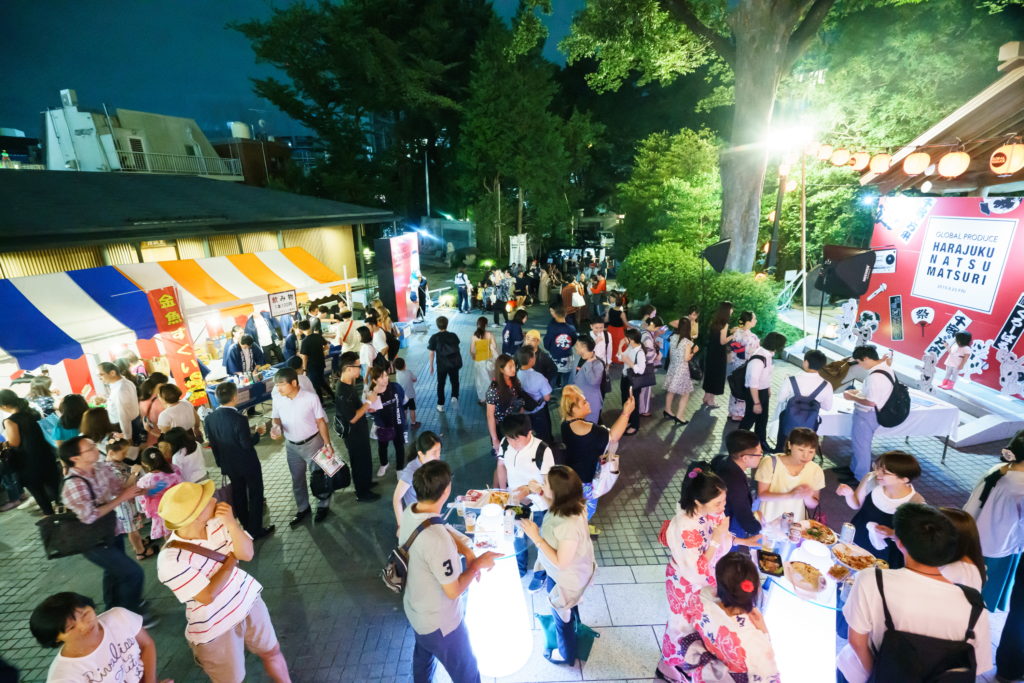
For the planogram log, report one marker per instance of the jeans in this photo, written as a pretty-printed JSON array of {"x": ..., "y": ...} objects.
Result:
[
  {"x": 452, "y": 650},
  {"x": 453, "y": 375},
  {"x": 300, "y": 459},
  {"x": 1010, "y": 653},
  {"x": 463, "y": 299},
  {"x": 522, "y": 546},
  {"x": 122, "y": 576},
  {"x": 865, "y": 422},
  {"x": 759, "y": 422},
  {"x": 565, "y": 631},
  {"x": 9, "y": 482}
]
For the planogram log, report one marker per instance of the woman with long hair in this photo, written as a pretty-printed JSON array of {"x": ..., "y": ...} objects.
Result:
[
  {"x": 97, "y": 427},
  {"x": 615, "y": 322},
  {"x": 565, "y": 550},
  {"x": 32, "y": 457},
  {"x": 482, "y": 351},
  {"x": 72, "y": 408},
  {"x": 744, "y": 342},
  {"x": 997, "y": 503},
  {"x": 585, "y": 440},
  {"x": 387, "y": 415},
  {"x": 40, "y": 394},
  {"x": 715, "y": 358},
  {"x": 968, "y": 569},
  {"x": 150, "y": 406},
  {"x": 678, "y": 384},
  {"x": 505, "y": 396},
  {"x": 696, "y": 538},
  {"x": 635, "y": 360}
]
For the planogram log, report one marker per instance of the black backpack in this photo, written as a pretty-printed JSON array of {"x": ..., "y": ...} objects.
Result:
[
  {"x": 800, "y": 411},
  {"x": 897, "y": 408},
  {"x": 396, "y": 569},
  {"x": 447, "y": 351},
  {"x": 394, "y": 345},
  {"x": 914, "y": 658},
  {"x": 738, "y": 379}
]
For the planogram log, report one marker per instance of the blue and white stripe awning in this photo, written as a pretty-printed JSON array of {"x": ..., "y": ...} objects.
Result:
[{"x": 52, "y": 317}]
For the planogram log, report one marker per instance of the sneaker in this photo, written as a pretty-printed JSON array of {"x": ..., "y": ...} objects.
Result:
[
  {"x": 27, "y": 503},
  {"x": 381, "y": 471},
  {"x": 440, "y": 408},
  {"x": 455, "y": 402},
  {"x": 537, "y": 581}
]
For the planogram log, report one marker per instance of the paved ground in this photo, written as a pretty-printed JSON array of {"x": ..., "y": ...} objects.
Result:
[{"x": 337, "y": 622}]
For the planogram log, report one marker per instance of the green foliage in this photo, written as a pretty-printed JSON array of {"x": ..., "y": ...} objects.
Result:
[
  {"x": 673, "y": 193},
  {"x": 661, "y": 272},
  {"x": 747, "y": 292}
]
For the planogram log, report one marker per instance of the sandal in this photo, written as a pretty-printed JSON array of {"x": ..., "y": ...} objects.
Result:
[
  {"x": 631, "y": 431},
  {"x": 149, "y": 552}
]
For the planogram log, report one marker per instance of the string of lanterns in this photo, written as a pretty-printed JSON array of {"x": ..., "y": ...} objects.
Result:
[{"x": 1004, "y": 161}]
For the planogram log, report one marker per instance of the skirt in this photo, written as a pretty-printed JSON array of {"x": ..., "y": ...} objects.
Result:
[
  {"x": 617, "y": 334},
  {"x": 1000, "y": 572},
  {"x": 483, "y": 373}
]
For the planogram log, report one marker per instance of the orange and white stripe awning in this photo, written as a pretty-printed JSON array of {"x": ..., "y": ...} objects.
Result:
[{"x": 214, "y": 283}]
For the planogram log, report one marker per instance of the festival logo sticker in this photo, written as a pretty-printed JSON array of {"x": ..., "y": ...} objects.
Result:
[
  {"x": 923, "y": 316},
  {"x": 904, "y": 215},
  {"x": 958, "y": 323},
  {"x": 896, "y": 317},
  {"x": 1011, "y": 330}
]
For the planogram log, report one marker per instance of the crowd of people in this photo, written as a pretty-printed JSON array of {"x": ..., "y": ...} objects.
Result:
[{"x": 138, "y": 455}]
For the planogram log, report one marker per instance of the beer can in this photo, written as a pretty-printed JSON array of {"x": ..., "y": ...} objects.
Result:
[{"x": 847, "y": 533}]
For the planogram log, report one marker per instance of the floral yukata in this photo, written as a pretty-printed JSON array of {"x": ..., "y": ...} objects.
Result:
[
  {"x": 728, "y": 648},
  {"x": 687, "y": 573}
]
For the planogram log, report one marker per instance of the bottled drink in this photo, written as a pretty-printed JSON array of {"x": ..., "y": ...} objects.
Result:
[{"x": 847, "y": 533}]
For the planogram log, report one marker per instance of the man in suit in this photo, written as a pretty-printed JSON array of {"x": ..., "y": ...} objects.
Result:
[
  {"x": 245, "y": 356},
  {"x": 262, "y": 327},
  {"x": 293, "y": 341},
  {"x": 234, "y": 449}
]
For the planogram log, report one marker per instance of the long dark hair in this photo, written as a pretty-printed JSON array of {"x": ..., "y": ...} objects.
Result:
[
  {"x": 683, "y": 329},
  {"x": 721, "y": 316},
  {"x": 481, "y": 327},
  {"x": 737, "y": 581},
  {"x": 700, "y": 485},
  {"x": 20, "y": 405},
  {"x": 506, "y": 394},
  {"x": 968, "y": 542},
  {"x": 1016, "y": 446},
  {"x": 72, "y": 408}
]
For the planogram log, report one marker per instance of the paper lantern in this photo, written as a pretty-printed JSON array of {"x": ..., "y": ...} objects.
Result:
[
  {"x": 880, "y": 163},
  {"x": 840, "y": 157},
  {"x": 824, "y": 152},
  {"x": 954, "y": 164},
  {"x": 859, "y": 161},
  {"x": 1008, "y": 159},
  {"x": 916, "y": 163}
]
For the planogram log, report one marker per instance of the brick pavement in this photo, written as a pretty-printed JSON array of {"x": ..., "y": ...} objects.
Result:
[{"x": 336, "y": 621}]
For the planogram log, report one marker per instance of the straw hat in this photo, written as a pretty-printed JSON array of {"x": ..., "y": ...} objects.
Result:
[{"x": 183, "y": 503}]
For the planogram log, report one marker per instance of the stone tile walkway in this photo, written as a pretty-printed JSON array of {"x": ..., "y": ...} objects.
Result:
[{"x": 337, "y": 622}]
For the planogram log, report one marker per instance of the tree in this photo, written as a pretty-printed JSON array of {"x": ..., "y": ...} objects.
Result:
[
  {"x": 380, "y": 82},
  {"x": 759, "y": 40}
]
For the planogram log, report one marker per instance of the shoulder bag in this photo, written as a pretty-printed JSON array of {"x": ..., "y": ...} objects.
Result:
[
  {"x": 63, "y": 534},
  {"x": 396, "y": 570}
]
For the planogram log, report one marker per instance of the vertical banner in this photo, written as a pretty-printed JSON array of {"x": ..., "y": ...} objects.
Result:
[
  {"x": 177, "y": 342},
  {"x": 398, "y": 259},
  {"x": 517, "y": 250}
]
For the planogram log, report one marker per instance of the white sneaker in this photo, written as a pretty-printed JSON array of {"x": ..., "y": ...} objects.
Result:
[
  {"x": 455, "y": 401},
  {"x": 440, "y": 409},
  {"x": 381, "y": 471}
]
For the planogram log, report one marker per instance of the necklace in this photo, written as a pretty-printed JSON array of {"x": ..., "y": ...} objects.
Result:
[{"x": 918, "y": 571}]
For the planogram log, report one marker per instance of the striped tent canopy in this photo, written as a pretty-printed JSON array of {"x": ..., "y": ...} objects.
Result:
[{"x": 59, "y": 316}]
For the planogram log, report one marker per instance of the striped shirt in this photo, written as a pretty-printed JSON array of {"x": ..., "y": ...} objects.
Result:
[{"x": 187, "y": 574}]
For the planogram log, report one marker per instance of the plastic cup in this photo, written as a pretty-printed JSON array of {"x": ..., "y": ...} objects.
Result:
[{"x": 470, "y": 521}]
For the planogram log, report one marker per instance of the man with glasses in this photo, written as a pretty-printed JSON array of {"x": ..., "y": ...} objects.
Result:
[
  {"x": 92, "y": 490},
  {"x": 351, "y": 410},
  {"x": 300, "y": 419}
]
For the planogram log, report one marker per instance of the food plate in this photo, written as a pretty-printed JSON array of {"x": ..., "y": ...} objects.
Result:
[
  {"x": 838, "y": 572},
  {"x": 854, "y": 557},
  {"x": 807, "y": 580},
  {"x": 475, "y": 498},
  {"x": 499, "y": 498},
  {"x": 816, "y": 531},
  {"x": 769, "y": 562}
]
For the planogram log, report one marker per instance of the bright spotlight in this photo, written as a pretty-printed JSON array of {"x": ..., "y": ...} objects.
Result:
[{"x": 869, "y": 200}]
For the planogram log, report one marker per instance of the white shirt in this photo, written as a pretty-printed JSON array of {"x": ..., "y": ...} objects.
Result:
[
  {"x": 638, "y": 356},
  {"x": 962, "y": 572},
  {"x": 759, "y": 375},
  {"x": 603, "y": 347},
  {"x": 1001, "y": 520},
  {"x": 180, "y": 414},
  {"x": 263, "y": 335},
  {"x": 298, "y": 415},
  {"x": 380, "y": 340},
  {"x": 305, "y": 384},
  {"x": 118, "y": 657},
  {"x": 522, "y": 468},
  {"x": 187, "y": 574},
  {"x": 807, "y": 383},
  {"x": 348, "y": 336},
  {"x": 877, "y": 389},
  {"x": 123, "y": 405},
  {"x": 192, "y": 465},
  {"x": 367, "y": 353},
  {"x": 912, "y": 599}
]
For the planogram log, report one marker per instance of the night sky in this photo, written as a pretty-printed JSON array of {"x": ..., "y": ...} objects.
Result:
[{"x": 163, "y": 56}]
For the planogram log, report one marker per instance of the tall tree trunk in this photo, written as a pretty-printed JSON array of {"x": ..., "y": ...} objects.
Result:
[
  {"x": 762, "y": 40},
  {"x": 519, "y": 218},
  {"x": 497, "y": 223}
]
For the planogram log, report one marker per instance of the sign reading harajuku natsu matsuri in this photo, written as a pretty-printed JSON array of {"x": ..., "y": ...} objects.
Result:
[{"x": 181, "y": 354}]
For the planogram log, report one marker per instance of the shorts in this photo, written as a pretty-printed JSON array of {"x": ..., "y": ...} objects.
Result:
[
  {"x": 410, "y": 404},
  {"x": 223, "y": 658}
]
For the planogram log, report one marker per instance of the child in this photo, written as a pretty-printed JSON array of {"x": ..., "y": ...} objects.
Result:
[
  {"x": 159, "y": 475},
  {"x": 128, "y": 511},
  {"x": 427, "y": 447},
  {"x": 957, "y": 358},
  {"x": 876, "y": 499},
  {"x": 407, "y": 380},
  {"x": 790, "y": 482}
]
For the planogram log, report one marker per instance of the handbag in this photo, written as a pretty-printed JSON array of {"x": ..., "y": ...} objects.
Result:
[
  {"x": 396, "y": 569},
  {"x": 224, "y": 494},
  {"x": 577, "y": 300},
  {"x": 63, "y": 534},
  {"x": 322, "y": 484},
  {"x": 584, "y": 635},
  {"x": 607, "y": 475}
]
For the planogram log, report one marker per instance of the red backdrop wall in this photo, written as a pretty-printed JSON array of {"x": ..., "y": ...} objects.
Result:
[{"x": 962, "y": 259}]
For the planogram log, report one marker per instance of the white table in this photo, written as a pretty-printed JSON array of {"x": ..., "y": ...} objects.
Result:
[{"x": 929, "y": 416}]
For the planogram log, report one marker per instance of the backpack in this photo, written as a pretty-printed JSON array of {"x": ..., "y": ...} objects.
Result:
[
  {"x": 396, "y": 569},
  {"x": 394, "y": 344},
  {"x": 447, "y": 351},
  {"x": 538, "y": 455},
  {"x": 897, "y": 408},
  {"x": 738, "y": 379},
  {"x": 914, "y": 658},
  {"x": 800, "y": 411}
]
